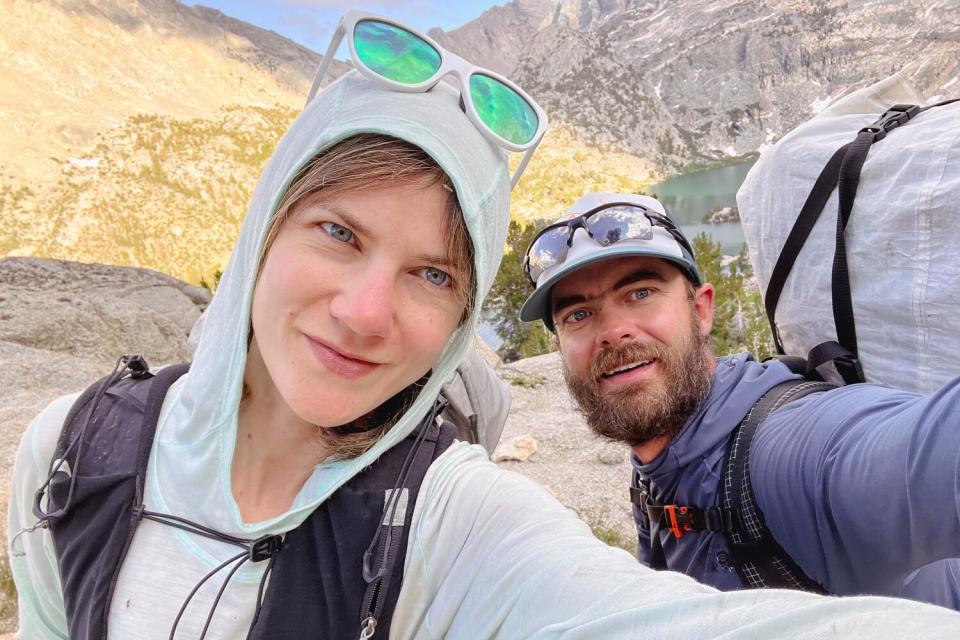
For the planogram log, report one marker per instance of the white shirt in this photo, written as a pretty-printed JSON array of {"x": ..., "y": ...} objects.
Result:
[{"x": 491, "y": 555}]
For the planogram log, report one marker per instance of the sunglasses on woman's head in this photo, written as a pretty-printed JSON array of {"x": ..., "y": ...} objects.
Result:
[
  {"x": 404, "y": 60},
  {"x": 607, "y": 224}
]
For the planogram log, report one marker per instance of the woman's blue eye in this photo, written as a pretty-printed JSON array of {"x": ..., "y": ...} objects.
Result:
[
  {"x": 436, "y": 277},
  {"x": 338, "y": 232}
]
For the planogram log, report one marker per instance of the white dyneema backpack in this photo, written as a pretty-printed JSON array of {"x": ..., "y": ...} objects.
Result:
[{"x": 870, "y": 287}]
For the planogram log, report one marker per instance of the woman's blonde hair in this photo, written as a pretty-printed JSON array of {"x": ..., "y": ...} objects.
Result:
[{"x": 367, "y": 161}]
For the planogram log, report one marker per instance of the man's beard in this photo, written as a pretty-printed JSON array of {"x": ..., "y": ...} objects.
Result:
[{"x": 651, "y": 408}]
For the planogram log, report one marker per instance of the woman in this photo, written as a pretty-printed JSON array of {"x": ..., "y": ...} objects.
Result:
[{"x": 304, "y": 436}]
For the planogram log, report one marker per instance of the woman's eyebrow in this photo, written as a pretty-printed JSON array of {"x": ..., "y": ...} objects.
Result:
[
  {"x": 439, "y": 260},
  {"x": 355, "y": 225}
]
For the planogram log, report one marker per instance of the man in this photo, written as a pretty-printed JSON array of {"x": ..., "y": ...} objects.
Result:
[{"x": 858, "y": 485}]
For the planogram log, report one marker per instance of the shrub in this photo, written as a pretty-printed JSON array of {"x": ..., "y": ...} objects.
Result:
[{"x": 739, "y": 320}]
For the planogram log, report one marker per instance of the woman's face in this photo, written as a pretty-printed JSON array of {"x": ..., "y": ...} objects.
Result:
[{"x": 355, "y": 300}]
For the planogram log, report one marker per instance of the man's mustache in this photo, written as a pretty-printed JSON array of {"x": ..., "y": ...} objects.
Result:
[{"x": 621, "y": 355}]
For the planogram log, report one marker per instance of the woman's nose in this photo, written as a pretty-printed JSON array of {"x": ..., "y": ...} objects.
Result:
[{"x": 365, "y": 302}]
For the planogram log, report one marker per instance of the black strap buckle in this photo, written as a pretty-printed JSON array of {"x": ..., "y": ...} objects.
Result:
[
  {"x": 139, "y": 368},
  {"x": 892, "y": 118},
  {"x": 639, "y": 496},
  {"x": 264, "y": 548}
]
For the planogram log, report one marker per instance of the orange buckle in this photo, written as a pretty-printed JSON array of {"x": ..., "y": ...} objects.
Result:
[{"x": 677, "y": 525}]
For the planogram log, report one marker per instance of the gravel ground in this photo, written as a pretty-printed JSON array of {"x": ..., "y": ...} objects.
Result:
[{"x": 589, "y": 475}]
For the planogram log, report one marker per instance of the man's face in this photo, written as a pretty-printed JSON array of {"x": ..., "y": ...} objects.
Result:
[{"x": 634, "y": 340}]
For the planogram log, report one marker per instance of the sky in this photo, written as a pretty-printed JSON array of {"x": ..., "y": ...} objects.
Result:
[{"x": 310, "y": 22}]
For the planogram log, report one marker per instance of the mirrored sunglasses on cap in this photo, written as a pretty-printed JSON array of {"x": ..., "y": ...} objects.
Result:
[
  {"x": 403, "y": 59},
  {"x": 607, "y": 224}
]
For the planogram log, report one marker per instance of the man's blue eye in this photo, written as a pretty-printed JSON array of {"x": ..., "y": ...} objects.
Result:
[
  {"x": 436, "y": 277},
  {"x": 640, "y": 294},
  {"x": 338, "y": 232},
  {"x": 578, "y": 315}
]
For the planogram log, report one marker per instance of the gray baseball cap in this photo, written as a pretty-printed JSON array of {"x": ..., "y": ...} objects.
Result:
[{"x": 584, "y": 250}]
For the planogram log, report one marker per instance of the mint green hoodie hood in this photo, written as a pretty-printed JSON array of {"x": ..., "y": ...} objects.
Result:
[{"x": 197, "y": 430}]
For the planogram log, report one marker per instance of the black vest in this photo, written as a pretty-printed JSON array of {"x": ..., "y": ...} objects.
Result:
[{"x": 317, "y": 584}]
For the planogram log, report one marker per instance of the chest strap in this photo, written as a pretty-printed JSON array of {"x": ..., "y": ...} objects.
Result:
[
  {"x": 759, "y": 559},
  {"x": 680, "y": 518}
]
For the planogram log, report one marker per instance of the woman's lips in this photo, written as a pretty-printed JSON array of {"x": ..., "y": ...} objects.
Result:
[{"x": 339, "y": 363}]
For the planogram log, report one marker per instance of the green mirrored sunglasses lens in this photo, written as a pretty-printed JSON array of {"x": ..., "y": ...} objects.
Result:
[
  {"x": 394, "y": 53},
  {"x": 503, "y": 109}
]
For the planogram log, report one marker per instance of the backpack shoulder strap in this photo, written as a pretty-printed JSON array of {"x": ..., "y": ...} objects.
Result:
[
  {"x": 94, "y": 487},
  {"x": 760, "y": 561},
  {"x": 108, "y": 430},
  {"x": 478, "y": 401}
]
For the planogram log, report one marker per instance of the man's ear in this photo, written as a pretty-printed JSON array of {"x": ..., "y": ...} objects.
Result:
[
  {"x": 703, "y": 306},
  {"x": 554, "y": 340}
]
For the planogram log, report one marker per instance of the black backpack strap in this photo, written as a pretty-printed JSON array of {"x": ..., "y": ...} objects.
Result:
[
  {"x": 843, "y": 171},
  {"x": 760, "y": 561},
  {"x": 809, "y": 214},
  {"x": 92, "y": 498},
  {"x": 89, "y": 412},
  {"x": 640, "y": 496},
  {"x": 380, "y": 560},
  {"x": 151, "y": 415}
]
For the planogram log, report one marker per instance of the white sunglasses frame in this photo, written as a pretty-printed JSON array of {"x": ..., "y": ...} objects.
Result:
[{"x": 450, "y": 63}]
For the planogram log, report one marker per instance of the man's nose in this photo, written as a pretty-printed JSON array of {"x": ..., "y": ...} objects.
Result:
[
  {"x": 366, "y": 302},
  {"x": 615, "y": 328}
]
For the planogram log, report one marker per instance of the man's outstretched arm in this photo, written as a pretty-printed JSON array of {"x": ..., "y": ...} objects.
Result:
[{"x": 861, "y": 485}]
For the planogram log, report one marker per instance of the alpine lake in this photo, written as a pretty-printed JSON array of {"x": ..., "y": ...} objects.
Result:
[{"x": 690, "y": 197}]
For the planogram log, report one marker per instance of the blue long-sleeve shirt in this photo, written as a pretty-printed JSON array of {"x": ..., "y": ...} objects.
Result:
[{"x": 860, "y": 485}]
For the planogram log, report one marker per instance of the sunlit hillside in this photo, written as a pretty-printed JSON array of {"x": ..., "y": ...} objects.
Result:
[
  {"x": 157, "y": 192},
  {"x": 564, "y": 168},
  {"x": 169, "y": 194},
  {"x": 70, "y": 70}
]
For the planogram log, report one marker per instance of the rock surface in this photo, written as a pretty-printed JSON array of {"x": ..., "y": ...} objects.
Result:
[
  {"x": 63, "y": 324},
  {"x": 516, "y": 449},
  {"x": 584, "y": 472}
]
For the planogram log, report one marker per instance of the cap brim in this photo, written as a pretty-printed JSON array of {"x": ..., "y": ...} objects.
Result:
[{"x": 537, "y": 306}]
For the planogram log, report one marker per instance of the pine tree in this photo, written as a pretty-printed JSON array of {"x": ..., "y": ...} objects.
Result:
[{"x": 509, "y": 290}]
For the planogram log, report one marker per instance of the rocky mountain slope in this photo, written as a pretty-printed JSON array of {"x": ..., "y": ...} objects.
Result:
[
  {"x": 498, "y": 37},
  {"x": 692, "y": 82},
  {"x": 157, "y": 192},
  {"x": 146, "y": 151},
  {"x": 170, "y": 194}
]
